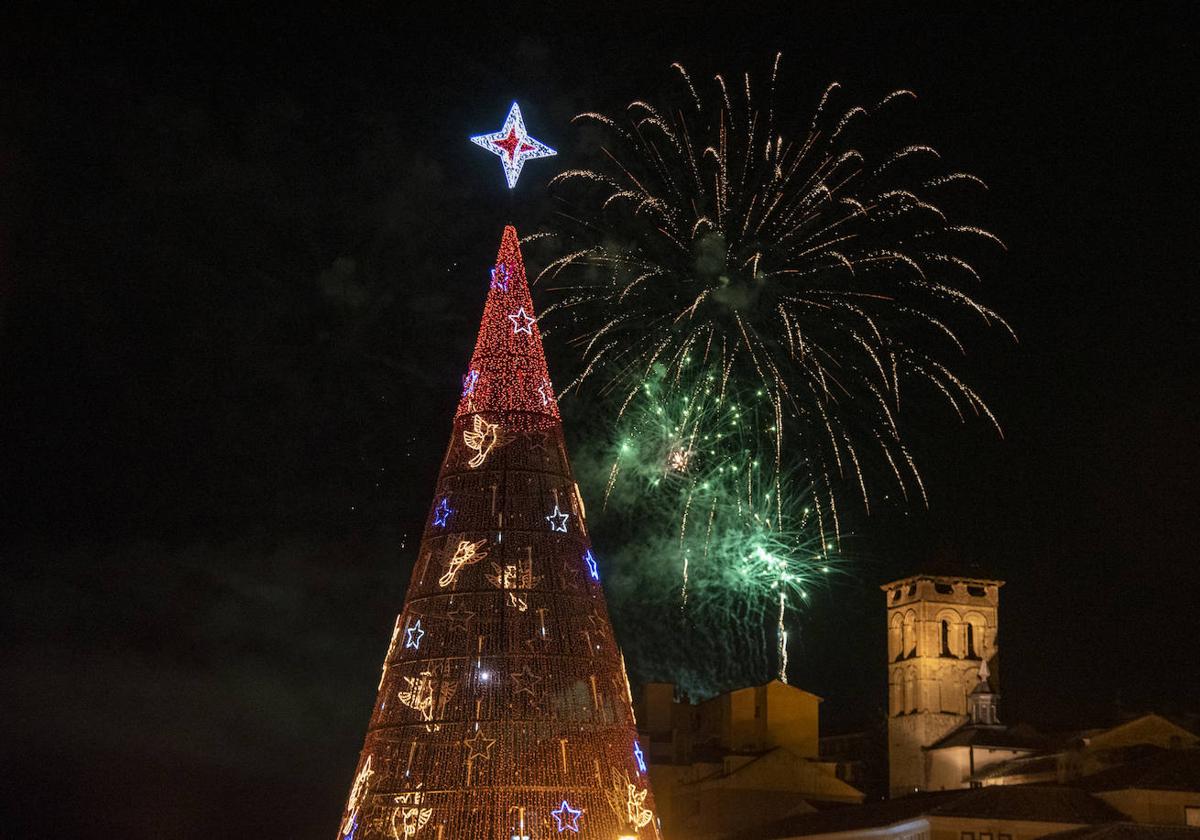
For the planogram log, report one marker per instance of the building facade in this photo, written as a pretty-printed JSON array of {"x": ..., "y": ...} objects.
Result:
[{"x": 737, "y": 760}]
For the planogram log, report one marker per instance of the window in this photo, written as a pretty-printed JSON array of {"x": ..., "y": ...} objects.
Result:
[
  {"x": 1191, "y": 815},
  {"x": 946, "y": 638},
  {"x": 971, "y": 654},
  {"x": 944, "y": 588},
  {"x": 968, "y": 835},
  {"x": 985, "y": 835},
  {"x": 896, "y": 638},
  {"x": 975, "y": 591}
]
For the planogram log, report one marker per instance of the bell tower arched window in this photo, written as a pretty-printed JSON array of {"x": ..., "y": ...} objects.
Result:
[
  {"x": 896, "y": 638},
  {"x": 975, "y": 636},
  {"x": 910, "y": 634}
]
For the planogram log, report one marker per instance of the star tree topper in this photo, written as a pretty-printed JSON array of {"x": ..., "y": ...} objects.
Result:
[{"x": 513, "y": 145}]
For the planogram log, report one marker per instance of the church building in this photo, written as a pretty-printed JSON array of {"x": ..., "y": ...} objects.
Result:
[
  {"x": 943, "y": 719},
  {"x": 751, "y": 764}
]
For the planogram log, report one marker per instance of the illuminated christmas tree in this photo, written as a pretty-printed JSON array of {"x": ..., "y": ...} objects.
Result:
[{"x": 504, "y": 709}]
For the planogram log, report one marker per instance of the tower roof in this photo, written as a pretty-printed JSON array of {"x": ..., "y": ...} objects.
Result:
[{"x": 973, "y": 581}]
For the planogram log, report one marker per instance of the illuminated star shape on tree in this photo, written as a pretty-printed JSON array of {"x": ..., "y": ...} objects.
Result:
[
  {"x": 479, "y": 746},
  {"x": 558, "y": 520},
  {"x": 513, "y": 145},
  {"x": 544, "y": 392},
  {"x": 522, "y": 322},
  {"x": 639, "y": 757},
  {"x": 566, "y": 817},
  {"x": 591, "y": 563},
  {"x": 570, "y": 576},
  {"x": 460, "y": 617},
  {"x": 539, "y": 442},
  {"x": 441, "y": 513},
  {"x": 598, "y": 624},
  {"x": 414, "y": 636},
  {"x": 525, "y": 681}
]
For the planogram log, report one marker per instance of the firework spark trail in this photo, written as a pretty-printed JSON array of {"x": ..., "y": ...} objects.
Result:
[
  {"x": 810, "y": 265},
  {"x": 745, "y": 545}
]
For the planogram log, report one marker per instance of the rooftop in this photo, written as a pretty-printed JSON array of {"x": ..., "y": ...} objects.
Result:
[
  {"x": 975, "y": 735},
  {"x": 944, "y": 578},
  {"x": 1127, "y": 831},
  {"x": 1160, "y": 770},
  {"x": 1036, "y": 803},
  {"x": 1027, "y": 764}
]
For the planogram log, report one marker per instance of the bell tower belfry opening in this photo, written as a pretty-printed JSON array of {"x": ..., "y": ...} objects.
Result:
[{"x": 941, "y": 630}]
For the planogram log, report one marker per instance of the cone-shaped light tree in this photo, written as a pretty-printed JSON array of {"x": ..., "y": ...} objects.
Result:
[{"x": 504, "y": 709}]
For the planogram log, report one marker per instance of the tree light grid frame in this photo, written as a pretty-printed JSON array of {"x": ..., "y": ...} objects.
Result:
[{"x": 516, "y": 699}]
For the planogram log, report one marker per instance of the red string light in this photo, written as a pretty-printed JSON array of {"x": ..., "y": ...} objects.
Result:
[{"x": 509, "y": 380}]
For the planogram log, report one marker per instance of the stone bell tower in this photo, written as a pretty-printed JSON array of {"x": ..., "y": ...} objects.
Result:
[{"x": 941, "y": 637}]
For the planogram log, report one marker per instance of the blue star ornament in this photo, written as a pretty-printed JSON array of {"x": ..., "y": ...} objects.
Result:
[
  {"x": 513, "y": 145},
  {"x": 567, "y": 817},
  {"x": 469, "y": 381},
  {"x": 442, "y": 512}
]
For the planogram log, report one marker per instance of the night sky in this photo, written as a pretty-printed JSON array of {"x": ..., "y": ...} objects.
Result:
[{"x": 241, "y": 268}]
